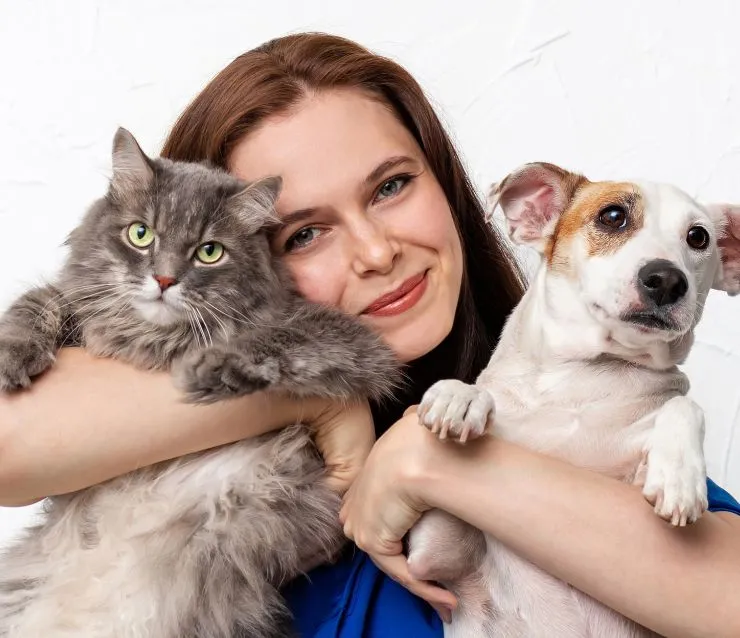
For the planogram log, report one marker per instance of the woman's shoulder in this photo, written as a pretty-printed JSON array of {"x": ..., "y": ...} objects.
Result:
[{"x": 352, "y": 598}]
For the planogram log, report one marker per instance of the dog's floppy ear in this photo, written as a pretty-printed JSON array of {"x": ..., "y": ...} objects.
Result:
[
  {"x": 532, "y": 199},
  {"x": 727, "y": 219}
]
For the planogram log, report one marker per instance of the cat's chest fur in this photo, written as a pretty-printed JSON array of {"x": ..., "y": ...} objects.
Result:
[{"x": 122, "y": 337}]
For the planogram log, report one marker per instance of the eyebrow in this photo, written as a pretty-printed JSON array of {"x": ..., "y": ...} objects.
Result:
[
  {"x": 374, "y": 175},
  {"x": 385, "y": 166},
  {"x": 296, "y": 216}
]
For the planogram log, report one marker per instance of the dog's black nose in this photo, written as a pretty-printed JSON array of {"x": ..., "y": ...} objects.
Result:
[{"x": 661, "y": 282}]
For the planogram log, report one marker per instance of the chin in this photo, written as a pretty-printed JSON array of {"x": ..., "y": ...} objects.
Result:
[
  {"x": 158, "y": 313},
  {"x": 418, "y": 338}
]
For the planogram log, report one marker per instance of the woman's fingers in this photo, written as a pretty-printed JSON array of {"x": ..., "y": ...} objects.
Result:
[{"x": 443, "y": 601}]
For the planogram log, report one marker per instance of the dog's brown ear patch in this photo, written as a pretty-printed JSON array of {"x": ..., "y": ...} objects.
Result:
[{"x": 596, "y": 213}]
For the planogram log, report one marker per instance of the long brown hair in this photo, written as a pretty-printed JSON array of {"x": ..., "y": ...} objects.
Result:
[{"x": 275, "y": 76}]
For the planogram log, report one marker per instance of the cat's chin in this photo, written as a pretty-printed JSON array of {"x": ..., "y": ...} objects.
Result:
[{"x": 158, "y": 313}]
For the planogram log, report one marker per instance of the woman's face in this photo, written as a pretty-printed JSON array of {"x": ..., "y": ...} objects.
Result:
[{"x": 366, "y": 226}]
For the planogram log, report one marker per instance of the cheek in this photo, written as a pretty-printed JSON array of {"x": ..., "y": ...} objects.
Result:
[
  {"x": 320, "y": 277},
  {"x": 609, "y": 280},
  {"x": 428, "y": 223}
]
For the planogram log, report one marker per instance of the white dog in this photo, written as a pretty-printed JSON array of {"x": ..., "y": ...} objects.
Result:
[{"x": 585, "y": 371}]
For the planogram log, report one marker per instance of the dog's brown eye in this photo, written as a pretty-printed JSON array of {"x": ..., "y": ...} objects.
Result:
[
  {"x": 613, "y": 217},
  {"x": 697, "y": 238}
]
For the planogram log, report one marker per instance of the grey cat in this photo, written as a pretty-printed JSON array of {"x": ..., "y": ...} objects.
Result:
[{"x": 172, "y": 270}]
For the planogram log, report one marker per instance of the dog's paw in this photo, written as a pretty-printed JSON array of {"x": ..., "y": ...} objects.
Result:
[
  {"x": 453, "y": 409},
  {"x": 676, "y": 490},
  {"x": 212, "y": 374},
  {"x": 21, "y": 360}
]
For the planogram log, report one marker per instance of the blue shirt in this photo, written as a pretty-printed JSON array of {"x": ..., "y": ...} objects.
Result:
[{"x": 354, "y": 599}]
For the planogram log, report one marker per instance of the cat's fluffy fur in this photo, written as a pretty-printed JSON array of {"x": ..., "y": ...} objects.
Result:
[{"x": 197, "y": 547}]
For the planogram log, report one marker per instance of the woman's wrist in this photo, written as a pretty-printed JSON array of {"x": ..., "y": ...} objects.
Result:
[{"x": 430, "y": 463}]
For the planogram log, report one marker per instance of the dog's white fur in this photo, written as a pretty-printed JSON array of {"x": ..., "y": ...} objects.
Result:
[{"x": 571, "y": 378}]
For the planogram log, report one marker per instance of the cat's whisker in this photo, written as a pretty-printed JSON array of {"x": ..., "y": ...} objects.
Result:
[
  {"x": 205, "y": 324},
  {"x": 97, "y": 312},
  {"x": 198, "y": 324},
  {"x": 241, "y": 318},
  {"x": 191, "y": 320},
  {"x": 69, "y": 320},
  {"x": 96, "y": 298},
  {"x": 218, "y": 320},
  {"x": 98, "y": 288},
  {"x": 99, "y": 293}
]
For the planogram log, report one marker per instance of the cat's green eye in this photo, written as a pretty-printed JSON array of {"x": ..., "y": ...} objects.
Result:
[
  {"x": 140, "y": 235},
  {"x": 210, "y": 252}
]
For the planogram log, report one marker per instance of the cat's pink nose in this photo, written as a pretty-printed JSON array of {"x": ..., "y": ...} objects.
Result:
[{"x": 164, "y": 282}]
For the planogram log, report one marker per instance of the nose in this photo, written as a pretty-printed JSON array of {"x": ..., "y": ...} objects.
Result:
[
  {"x": 661, "y": 282},
  {"x": 164, "y": 282},
  {"x": 374, "y": 250}
]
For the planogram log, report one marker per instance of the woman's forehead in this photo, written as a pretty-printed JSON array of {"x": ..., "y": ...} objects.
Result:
[{"x": 329, "y": 139}]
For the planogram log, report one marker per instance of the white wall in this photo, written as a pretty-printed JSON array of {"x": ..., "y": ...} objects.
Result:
[{"x": 614, "y": 90}]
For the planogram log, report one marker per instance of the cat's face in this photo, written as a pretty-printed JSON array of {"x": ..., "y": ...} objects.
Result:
[{"x": 177, "y": 242}]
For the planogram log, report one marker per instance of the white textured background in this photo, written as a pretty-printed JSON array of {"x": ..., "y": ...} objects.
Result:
[{"x": 612, "y": 89}]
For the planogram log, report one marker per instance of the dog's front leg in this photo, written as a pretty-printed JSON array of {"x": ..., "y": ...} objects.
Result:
[
  {"x": 675, "y": 472},
  {"x": 444, "y": 548}
]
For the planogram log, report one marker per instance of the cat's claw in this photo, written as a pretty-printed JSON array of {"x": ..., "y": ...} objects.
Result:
[
  {"x": 20, "y": 361},
  {"x": 212, "y": 374}
]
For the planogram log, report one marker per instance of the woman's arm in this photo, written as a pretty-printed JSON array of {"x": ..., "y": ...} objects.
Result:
[
  {"x": 90, "y": 419},
  {"x": 596, "y": 533}
]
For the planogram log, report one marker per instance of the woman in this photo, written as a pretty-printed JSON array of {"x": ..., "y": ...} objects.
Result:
[{"x": 380, "y": 220}]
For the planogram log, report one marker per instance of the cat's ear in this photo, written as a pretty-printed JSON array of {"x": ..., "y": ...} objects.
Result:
[
  {"x": 132, "y": 169},
  {"x": 255, "y": 203}
]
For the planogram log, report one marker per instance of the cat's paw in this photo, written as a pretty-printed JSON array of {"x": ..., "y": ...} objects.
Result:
[
  {"x": 212, "y": 374},
  {"x": 677, "y": 491},
  {"x": 21, "y": 360},
  {"x": 456, "y": 410}
]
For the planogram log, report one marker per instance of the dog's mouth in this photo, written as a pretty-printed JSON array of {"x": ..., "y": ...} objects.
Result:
[{"x": 651, "y": 321}]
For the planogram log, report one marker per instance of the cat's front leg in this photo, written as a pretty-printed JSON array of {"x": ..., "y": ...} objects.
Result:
[
  {"x": 31, "y": 331},
  {"x": 317, "y": 352},
  {"x": 207, "y": 375},
  {"x": 675, "y": 474}
]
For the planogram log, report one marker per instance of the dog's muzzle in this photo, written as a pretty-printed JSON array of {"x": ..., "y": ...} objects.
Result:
[{"x": 661, "y": 284}]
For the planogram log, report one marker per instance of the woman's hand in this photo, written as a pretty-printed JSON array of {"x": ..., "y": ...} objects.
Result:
[
  {"x": 344, "y": 435},
  {"x": 385, "y": 501}
]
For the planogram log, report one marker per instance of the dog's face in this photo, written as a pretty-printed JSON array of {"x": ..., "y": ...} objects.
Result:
[{"x": 641, "y": 257}]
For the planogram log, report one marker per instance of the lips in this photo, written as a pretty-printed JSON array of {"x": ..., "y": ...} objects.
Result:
[
  {"x": 650, "y": 320},
  {"x": 404, "y": 289}
]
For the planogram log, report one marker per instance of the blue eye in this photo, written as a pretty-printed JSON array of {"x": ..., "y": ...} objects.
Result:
[
  {"x": 302, "y": 238},
  {"x": 392, "y": 187}
]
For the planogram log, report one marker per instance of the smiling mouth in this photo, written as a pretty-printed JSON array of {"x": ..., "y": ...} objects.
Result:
[
  {"x": 401, "y": 299},
  {"x": 650, "y": 320}
]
